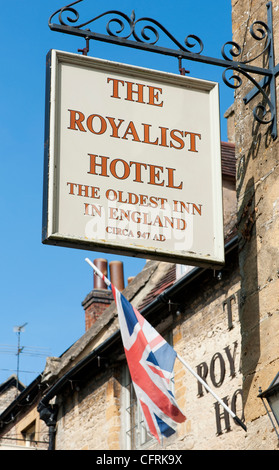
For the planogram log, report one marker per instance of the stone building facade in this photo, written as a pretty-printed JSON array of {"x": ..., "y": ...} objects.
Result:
[
  {"x": 95, "y": 405},
  {"x": 258, "y": 225},
  {"x": 20, "y": 423},
  {"x": 9, "y": 390}
]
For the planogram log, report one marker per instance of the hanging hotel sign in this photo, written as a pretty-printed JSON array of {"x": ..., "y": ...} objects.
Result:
[{"x": 132, "y": 161}]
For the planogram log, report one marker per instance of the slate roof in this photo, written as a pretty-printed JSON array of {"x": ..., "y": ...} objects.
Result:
[
  {"x": 228, "y": 159},
  {"x": 163, "y": 284}
]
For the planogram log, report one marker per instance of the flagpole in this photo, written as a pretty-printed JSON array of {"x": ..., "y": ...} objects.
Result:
[
  {"x": 98, "y": 272},
  {"x": 236, "y": 419}
]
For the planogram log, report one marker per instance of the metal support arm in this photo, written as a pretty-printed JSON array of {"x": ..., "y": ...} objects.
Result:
[{"x": 126, "y": 34}]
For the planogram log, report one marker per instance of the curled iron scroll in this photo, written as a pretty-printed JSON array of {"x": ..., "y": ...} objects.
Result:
[
  {"x": 259, "y": 31},
  {"x": 120, "y": 25},
  {"x": 155, "y": 27},
  {"x": 260, "y": 111}
]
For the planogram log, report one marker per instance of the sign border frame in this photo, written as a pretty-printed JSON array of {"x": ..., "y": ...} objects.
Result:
[{"x": 49, "y": 237}]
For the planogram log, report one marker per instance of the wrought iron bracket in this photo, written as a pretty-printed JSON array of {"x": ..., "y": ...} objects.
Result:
[{"x": 126, "y": 33}]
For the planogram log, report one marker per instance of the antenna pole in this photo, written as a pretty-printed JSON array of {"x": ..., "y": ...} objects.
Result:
[{"x": 18, "y": 330}]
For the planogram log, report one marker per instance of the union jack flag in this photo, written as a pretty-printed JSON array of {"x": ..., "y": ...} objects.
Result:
[{"x": 150, "y": 360}]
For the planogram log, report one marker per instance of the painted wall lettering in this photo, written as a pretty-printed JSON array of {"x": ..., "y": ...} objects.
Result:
[
  {"x": 222, "y": 416},
  {"x": 227, "y": 305},
  {"x": 217, "y": 369},
  {"x": 214, "y": 373}
]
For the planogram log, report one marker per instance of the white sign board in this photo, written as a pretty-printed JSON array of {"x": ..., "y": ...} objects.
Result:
[{"x": 132, "y": 161}]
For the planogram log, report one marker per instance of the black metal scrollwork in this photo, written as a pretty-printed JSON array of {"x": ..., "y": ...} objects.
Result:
[
  {"x": 237, "y": 50},
  {"x": 124, "y": 30},
  {"x": 259, "y": 31},
  {"x": 260, "y": 111},
  {"x": 68, "y": 9},
  {"x": 123, "y": 21},
  {"x": 153, "y": 26}
]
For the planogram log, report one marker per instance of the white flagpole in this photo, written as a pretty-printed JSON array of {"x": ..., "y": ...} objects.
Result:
[
  {"x": 236, "y": 419},
  {"x": 98, "y": 272}
]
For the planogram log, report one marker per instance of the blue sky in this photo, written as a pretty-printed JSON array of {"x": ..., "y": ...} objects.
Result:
[{"x": 44, "y": 286}]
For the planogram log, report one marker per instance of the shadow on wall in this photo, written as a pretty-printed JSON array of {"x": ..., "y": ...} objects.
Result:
[{"x": 248, "y": 214}]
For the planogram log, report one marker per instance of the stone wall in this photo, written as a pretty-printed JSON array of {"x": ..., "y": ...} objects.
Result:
[
  {"x": 15, "y": 432},
  {"x": 258, "y": 216},
  {"x": 7, "y": 397},
  {"x": 89, "y": 417}
]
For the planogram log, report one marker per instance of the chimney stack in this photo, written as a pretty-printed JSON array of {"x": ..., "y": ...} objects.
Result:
[
  {"x": 102, "y": 265},
  {"x": 117, "y": 274},
  {"x": 96, "y": 302}
]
